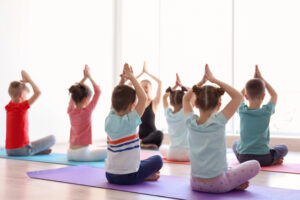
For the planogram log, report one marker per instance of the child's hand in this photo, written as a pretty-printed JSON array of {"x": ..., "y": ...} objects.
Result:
[
  {"x": 208, "y": 74},
  {"x": 257, "y": 73},
  {"x": 145, "y": 68},
  {"x": 127, "y": 72},
  {"x": 178, "y": 81},
  {"x": 25, "y": 77},
  {"x": 87, "y": 71}
]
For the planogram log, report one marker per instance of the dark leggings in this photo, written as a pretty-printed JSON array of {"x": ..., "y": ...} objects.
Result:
[
  {"x": 147, "y": 168},
  {"x": 277, "y": 152},
  {"x": 155, "y": 137}
]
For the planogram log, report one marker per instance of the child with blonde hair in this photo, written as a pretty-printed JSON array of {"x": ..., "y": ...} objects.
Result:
[
  {"x": 207, "y": 138},
  {"x": 178, "y": 132},
  {"x": 254, "y": 125},
  {"x": 123, "y": 164},
  {"x": 17, "y": 128},
  {"x": 80, "y": 112}
]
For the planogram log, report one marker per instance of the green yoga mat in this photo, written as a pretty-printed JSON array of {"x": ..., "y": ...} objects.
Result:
[{"x": 57, "y": 158}]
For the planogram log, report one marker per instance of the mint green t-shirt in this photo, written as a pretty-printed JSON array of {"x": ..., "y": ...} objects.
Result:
[
  {"x": 254, "y": 129},
  {"x": 207, "y": 145}
]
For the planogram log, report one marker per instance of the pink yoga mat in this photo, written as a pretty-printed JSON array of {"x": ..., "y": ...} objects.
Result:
[
  {"x": 286, "y": 167},
  {"x": 166, "y": 186}
]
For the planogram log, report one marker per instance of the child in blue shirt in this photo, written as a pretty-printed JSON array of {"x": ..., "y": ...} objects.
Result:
[
  {"x": 123, "y": 165},
  {"x": 207, "y": 138},
  {"x": 254, "y": 125},
  {"x": 179, "y": 147}
]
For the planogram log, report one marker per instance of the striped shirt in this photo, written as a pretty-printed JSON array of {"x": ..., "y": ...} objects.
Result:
[{"x": 123, "y": 145}]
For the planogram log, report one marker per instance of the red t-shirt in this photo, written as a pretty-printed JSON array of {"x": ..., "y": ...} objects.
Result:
[{"x": 17, "y": 125}]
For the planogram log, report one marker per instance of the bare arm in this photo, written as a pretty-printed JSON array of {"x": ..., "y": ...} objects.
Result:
[
  {"x": 36, "y": 91},
  {"x": 165, "y": 100},
  {"x": 187, "y": 102},
  {"x": 157, "y": 98},
  {"x": 236, "y": 96},
  {"x": 269, "y": 88},
  {"x": 142, "y": 98}
]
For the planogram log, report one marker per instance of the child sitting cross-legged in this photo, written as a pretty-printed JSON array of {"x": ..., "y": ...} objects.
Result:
[
  {"x": 123, "y": 164},
  {"x": 254, "y": 123}
]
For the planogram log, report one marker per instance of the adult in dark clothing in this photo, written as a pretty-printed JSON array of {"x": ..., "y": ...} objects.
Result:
[{"x": 149, "y": 135}]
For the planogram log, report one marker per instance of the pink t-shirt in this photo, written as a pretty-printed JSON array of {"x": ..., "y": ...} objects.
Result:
[{"x": 81, "y": 120}]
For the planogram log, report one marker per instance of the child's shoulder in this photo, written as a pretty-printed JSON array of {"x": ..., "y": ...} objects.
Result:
[{"x": 23, "y": 105}]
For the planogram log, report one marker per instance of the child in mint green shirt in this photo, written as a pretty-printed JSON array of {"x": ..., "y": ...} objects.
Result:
[{"x": 254, "y": 125}]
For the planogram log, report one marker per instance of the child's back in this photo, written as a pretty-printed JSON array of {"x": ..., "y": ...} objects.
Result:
[
  {"x": 254, "y": 129},
  {"x": 178, "y": 150},
  {"x": 17, "y": 129},
  {"x": 123, "y": 164},
  {"x": 207, "y": 139},
  {"x": 254, "y": 125}
]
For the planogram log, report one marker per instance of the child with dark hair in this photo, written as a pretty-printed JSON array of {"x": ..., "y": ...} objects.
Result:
[
  {"x": 17, "y": 139},
  {"x": 80, "y": 112},
  {"x": 179, "y": 147},
  {"x": 254, "y": 123},
  {"x": 207, "y": 138},
  {"x": 123, "y": 164}
]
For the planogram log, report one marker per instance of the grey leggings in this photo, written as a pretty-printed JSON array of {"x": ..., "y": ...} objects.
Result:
[
  {"x": 33, "y": 147},
  {"x": 277, "y": 152}
]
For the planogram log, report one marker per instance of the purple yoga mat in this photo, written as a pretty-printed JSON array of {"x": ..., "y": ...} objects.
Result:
[{"x": 166, "y": 186}]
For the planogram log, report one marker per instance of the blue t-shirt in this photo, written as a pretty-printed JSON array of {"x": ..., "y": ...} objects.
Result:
[
  {"x": 118, "y": 127},
  {"x": 177, "y": 129},
  {"x": 254, "y": 129},
  {"x": 207, "y": 145}
]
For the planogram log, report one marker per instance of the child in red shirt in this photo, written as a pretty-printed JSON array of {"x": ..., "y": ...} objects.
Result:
[
  {"x": 17, "y": 139},
  {"x": 80, "y": 112}
]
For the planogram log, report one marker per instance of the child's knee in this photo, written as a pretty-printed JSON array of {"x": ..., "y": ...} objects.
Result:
[
  {"x": 254, "y": 166},
  {"x": 158, "y": 161}
]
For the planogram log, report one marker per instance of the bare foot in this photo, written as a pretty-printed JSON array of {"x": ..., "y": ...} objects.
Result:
[
  {"x": 153, "y": 177},
  {"x": 46, "y": 152},
  {"x": 149, "y": 146},
  {"x": 279, "y": 162},
  {"x": 243, "y": 186}
]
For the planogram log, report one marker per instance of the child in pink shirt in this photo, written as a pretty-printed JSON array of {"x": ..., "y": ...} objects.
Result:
[{"x": 80, "y": 112}]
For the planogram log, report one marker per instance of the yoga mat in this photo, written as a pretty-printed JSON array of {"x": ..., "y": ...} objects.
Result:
[
  {"x": 286, "y": 167},
  {"x": 56, "y": 158},
  {"x": 166, "y": 186}
]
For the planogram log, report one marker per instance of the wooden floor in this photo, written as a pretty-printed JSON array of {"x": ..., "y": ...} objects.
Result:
[{"x": 15, "y": 185}]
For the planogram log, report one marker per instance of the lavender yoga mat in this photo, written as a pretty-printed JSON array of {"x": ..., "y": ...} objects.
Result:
[{"x": 166, "y": 186}]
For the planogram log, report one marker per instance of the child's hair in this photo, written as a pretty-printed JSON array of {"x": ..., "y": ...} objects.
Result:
[
  {"x": 176, "y": 96},
  {"x": 255, "y": 88},
  {"x": 79, "y": 92},
  {"x": 207, "y": 97},
  {"x": 122, "y": 97},
  {"x": 15, "y": 88}
]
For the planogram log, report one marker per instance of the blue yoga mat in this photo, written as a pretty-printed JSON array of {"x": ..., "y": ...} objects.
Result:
[{"x": 57, "y": 158}]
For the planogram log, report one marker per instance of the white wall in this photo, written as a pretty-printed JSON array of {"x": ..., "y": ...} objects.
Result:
[{"x": 52, "y": 40}]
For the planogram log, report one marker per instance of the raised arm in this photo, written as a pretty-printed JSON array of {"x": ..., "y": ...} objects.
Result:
[
  {"x": 36, "y": 91},
  {"x": 158, "y": 95},
  {"x": 189, "y": 98},
  {"x": 97, "y": 91},
  {"x": 142, "y": 98},
  {"x": 269, "y": 88},
  {"x": 236, "y": 96},
  {"x": 165, "y": 100}
]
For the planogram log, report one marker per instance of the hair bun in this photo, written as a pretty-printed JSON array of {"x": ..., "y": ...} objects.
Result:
[
  {"x": 183, "y": 89},
  {"x": 169, "y": 89},
  {"x": 219, "y": 92},
  {"x": 197, "y": 90}
]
